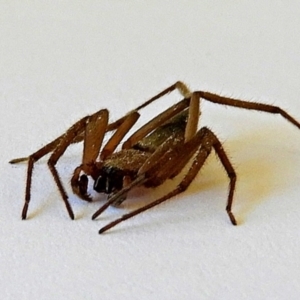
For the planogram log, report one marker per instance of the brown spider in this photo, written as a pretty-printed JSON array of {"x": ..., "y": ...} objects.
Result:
[{"x": 157, "y": 151}]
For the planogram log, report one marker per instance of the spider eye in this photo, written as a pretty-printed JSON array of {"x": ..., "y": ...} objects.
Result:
[{"x": 100, "y": 184}]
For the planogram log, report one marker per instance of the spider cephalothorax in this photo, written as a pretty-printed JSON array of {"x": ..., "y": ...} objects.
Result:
[{"x": 157, "y": 151}]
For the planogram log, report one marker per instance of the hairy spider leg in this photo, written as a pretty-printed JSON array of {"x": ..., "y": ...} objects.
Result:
[
  {"x": 180, "y": 86},
  {"x": 200, "y": 145},
  {"x": 156, "y": 122},
  {"x": 94, "y": 132},
  {"x": 61, "y": 148},
  {"x": 193, "y": 117},
  {"x": 247, "y": 105},
  {"x": 119, "y": 134},
  {"x": 93, "y": 136},
  {"x": 189, "y": 100},
  {"x": 59, "y": 145}
]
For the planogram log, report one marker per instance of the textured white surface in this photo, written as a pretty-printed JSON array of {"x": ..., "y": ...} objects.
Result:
[{"x": 62, "y": 60}]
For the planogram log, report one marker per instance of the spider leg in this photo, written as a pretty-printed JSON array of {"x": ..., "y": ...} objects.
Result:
[
  {"x": 180, "y": 86},
  {"x": 168, "y": 114},
  {"x": 47, "y": 148},
  {"x": 95, "y": 128},
  {"x": 119, "y": 195},
  {"x": 155, "y": 122},
  {"x": 172, "y": 141},
  {"x": 119, "y": 134},
  {"x": 193, "y": 117},
  {"x": 34, "y": 157},
  {"x": 67, "y": 139},
  {"x": 94, "y": 132},
  {"x": 201, "y": 144},
  {"x": 247, "y": 105},
  {"x": 93, "y": 136}
]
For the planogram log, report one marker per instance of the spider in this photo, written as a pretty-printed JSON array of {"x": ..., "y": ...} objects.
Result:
[{"x": 157, "y": 151}]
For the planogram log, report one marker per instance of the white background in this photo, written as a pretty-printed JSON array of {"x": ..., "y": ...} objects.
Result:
[{"x": 63, "y": 60}]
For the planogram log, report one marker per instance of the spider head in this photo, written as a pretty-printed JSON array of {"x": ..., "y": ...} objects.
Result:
[{"x": 107, "y": 179}]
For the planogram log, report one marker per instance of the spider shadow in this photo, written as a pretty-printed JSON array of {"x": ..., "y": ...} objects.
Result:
[{"x": 258, "y": 157}]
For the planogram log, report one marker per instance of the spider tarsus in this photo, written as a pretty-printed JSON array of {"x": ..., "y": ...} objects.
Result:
[
  {"x": 102, "y": 230},
  {"x": 100, "y": 210},
  {"x": 69, "y": 209},
  {"x": 71, "y": 214},
  {"x": 232, "y": 218},
  {"x": 18, "y": 160},
  {"x": 24, "y": 211},
  {"x": 95, "y": 215},
  {"x": 110, "y": 225},
  {"x": 183, "y": 89}
]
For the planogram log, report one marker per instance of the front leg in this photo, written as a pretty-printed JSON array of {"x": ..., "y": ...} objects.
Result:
[
  {"x": 67, "y": 139},
  {"x": 76, "y": 131},
  {"x": 95, "y": 131}
]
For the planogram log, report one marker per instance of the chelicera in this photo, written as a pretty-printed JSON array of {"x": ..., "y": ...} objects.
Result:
[{"x": 155, "y": 152}]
